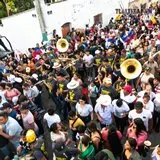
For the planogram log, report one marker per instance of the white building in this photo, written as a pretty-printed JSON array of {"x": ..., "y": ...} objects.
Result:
[{"x": 23, "y": 29}]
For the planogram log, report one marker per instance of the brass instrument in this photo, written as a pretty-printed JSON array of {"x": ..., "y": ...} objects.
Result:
[
  {"x": 62, "y": 45},
  {"x": 131, "y": 68}
]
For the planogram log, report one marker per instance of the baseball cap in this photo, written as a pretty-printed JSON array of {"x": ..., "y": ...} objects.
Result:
[{"x": 127, "y": 88}]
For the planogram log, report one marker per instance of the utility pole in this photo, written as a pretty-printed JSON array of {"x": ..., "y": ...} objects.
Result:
[{"x": 39, "y": 6}]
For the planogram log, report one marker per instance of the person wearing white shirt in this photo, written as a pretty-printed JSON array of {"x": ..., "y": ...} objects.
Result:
[
  {"x": 88, "y": 60},
  {"x": 10, "y": 77},
  {"x": 104, "y": 110},
  {"x": 148, "y": 89},
  {"x": 121, "y": 110},
  {"x": 30, "y": 92},
  {"x": 127, "y": 96},
  {"x": 84, "y": 110},
  {"x": 144, "y": 114},
  {"x": 51, "y": 117},
  {"x": 2, "y": 100},
  {"x": 147, "y": 103}
]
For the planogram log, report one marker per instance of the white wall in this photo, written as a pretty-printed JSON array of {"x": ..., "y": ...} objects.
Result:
[{"x": 23, "y": 30}]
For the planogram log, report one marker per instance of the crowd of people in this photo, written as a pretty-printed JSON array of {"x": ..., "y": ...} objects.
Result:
[{"x": 93, "y": 105}]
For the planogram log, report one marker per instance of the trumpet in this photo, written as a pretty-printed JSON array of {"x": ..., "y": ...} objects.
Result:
[{"x": 71, "y": 64}]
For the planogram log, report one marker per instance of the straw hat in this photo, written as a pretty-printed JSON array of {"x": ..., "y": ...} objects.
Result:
[
  {"x": 56, "y": 65},
  {"x": 18, "y": 79},
  {"x": 72, "y": 84},
  {"x": 104, "y": 100}
]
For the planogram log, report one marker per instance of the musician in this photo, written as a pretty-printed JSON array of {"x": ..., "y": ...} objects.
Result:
[
  {"x": 61, "y": 92},
  {"x": 62, "y": 82},
  {"x": 58, "y": 70},
  {"x": 80, "y": 66},
  {"x": 110, "y": 54},
  {"x": 70, "y": 68},
  {"x": 127, "y": 96},
  {"x": 105, "y": 67},
  {"x": 116, "y": 72},
  {"x": 74, "y": 94},
  {"x": 119, "y": 84},
  {"x": 97, "y": 60},
  {"x": 107, "y": 89}
]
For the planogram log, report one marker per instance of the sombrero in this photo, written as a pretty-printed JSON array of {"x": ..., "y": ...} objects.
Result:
[{"x": 72, "y": 84}]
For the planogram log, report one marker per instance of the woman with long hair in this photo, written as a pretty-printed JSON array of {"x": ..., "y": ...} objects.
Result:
[
  {"x": 137, "y": 130},
  {"x": 86, "y": 148},
  {"x": 130, "y": 152},
  {"x": 95, "y": 135},
  {"x": 112, "y": 140}
]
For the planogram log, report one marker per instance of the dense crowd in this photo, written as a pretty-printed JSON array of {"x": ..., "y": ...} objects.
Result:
[{"x": 91, "y": 104}]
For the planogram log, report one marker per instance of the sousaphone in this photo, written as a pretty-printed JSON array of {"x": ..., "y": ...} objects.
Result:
[
  {"x": 62, "y": 45},
  {"x": 131, "y": 68}
]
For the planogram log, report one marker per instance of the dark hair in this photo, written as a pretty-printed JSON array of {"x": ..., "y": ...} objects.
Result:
[
  {"x": 86, "y": 140},
  {"x": 51, "y": 111},
  {"x": 114, "y": 141},
  {"x": 102, "y": 73},
  {"x": 146, "y": 95},
  {"x": 72, "y": 114},
  {"x": 24, "y": 107},
  {"x": 3, "y": 85},
  {"x": 150, "y": 81},
  {"x": 83, "y": 98},
  {"x": 157, "y": 77},
  {"x": 92, "y": 126},
  {"x": 9, "y": 85},
  {"x": 6, "y": 105},
  {"x": 138, "y": 105},
  {"x": 25, "y": 85},
  {"x": 139, "y": 125},
  {"x": 22, "y": 98},
  {"x": 53, "y": 127},
  {"x": 119, "y": 102},
  {"x": 81, "y": 129},
  {"x": 23, "y": 133},
  {"x": 4, "y": 114},
  {"x": 132, "y": 142},
  {"x": 85, "y": 85},
  {"x": 101, "y": 155},
  {"x": 33, "y": 81}
]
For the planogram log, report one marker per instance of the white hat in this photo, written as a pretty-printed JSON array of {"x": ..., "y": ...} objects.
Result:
[
  {"x": 28, "y": 69},
  {"x": 157, "y": 98},
  {"x": 147, "y": 143},
  {"x": 18, "y": 79},
  {"x": 104, "y": 100},
  {"x": 35, "y": 76},
  {"x": 72, "y": 84},
  {"x": 56, "y": 65},
  {"x": 97, "y": 51}
]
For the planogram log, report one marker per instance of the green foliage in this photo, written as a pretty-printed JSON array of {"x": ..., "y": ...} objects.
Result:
[{"x": 9, "y": 7}]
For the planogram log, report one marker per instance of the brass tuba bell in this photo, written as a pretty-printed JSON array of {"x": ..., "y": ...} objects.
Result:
[
  {"x": 131, "y": 68},
  {"x": 62, "y": 45}
]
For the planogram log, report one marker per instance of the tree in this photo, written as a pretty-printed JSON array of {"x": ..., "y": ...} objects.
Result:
[{"x": 9, "y": 7}]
